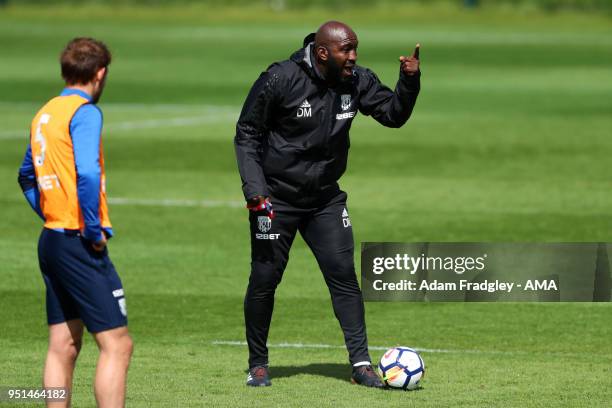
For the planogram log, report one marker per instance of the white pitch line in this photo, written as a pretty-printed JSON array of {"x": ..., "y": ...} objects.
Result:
[
  {"x": 122, "y": 106},
  {"x": 170, "y": 122},
  {"x": 164, "y": 107},
  {"x": 331, "y": 346},
  {"x": 235, "y": 343},
  {"x": 221, "y": 116},
  {"x": 14, "y": 134},
  {"x": 175, "y": 203}
]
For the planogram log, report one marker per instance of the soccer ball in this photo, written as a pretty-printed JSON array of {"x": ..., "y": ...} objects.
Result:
[{"x": 401, "y": 367}]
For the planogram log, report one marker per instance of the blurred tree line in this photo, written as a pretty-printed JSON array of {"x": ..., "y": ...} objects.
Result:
[{"x": 548, "y": 5}]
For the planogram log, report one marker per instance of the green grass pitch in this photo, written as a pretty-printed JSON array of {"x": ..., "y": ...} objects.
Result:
[{"x": 510, "y": 141}]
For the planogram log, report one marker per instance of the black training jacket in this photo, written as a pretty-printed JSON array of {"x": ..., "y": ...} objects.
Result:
[{"x": 292, "y": 137}]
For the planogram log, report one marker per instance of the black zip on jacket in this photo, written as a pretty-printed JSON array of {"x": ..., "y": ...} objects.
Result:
[{"x": 292, "y": 137}]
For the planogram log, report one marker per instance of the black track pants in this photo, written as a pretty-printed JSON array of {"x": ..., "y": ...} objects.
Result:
[{"x": 328, "y": 233}]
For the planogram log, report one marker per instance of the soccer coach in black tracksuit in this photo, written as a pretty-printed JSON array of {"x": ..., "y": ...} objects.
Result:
[{"x": 292, "y": 142}]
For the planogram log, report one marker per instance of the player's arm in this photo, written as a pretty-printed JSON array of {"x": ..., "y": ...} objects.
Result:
[
  {"x": 392, "y": 108},
  {"x": 251, "y": 129},
  {"x": 27, "y": 182},
  {"x": 85, "y": 130}
]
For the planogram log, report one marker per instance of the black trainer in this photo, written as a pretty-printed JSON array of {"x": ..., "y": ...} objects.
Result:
[
  {"x": 259, "y": 377},
  {"x": 366, "y": 376}
]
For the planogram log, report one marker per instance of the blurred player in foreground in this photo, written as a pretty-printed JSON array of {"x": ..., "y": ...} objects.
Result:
[{"x": 63, "y": 179}]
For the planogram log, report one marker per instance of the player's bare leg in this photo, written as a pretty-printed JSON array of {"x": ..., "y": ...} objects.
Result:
[
  {"x": 111, "y": 373},
  {"x": 65, "y": 341}
]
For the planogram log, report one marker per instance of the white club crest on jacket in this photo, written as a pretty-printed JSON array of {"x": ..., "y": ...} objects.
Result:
[
  {"x": 264, "y": 223},
  {"x": 345, "y": 102}
]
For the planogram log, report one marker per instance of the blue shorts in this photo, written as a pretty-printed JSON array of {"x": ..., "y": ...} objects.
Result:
[{"x": 81, "y": 282}]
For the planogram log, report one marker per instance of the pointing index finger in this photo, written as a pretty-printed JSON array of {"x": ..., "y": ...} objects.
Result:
[{"x": 416, "y": 51}]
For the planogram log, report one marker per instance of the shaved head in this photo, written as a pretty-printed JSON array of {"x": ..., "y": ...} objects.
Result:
[
  {"x": 333, "y": 32},
  {"x": 335, "y": 49}
]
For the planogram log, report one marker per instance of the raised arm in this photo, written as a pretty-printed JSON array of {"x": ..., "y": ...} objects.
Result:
[{"x": 392, "y": 108}]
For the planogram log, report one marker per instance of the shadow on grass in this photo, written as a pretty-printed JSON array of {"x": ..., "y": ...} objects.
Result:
[{"x": 338, "y": 371}]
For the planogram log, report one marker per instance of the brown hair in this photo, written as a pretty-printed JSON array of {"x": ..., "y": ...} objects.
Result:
[{"x": 82, "y": 58}]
